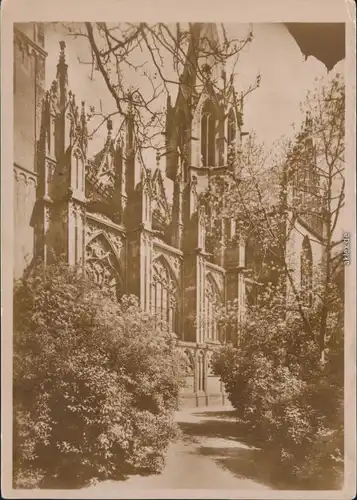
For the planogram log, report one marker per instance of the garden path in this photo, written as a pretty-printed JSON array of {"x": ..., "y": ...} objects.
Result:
[{"x": 208, "y": 456}]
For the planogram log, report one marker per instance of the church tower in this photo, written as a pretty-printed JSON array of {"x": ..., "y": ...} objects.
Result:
[{"x": 203, "y": 138}]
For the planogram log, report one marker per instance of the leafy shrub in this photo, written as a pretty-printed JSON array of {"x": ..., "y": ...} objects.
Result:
[
  {"x": 96, "y": 382},
  {"x": 290, "y": 403}
]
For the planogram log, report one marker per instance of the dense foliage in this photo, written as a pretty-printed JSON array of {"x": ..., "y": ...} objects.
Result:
[
  {"x": 96, "y": 382},
  {"x": 284, "y": 396}
]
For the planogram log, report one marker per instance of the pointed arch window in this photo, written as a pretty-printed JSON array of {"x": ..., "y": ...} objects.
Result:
[
  {"x": 102, "y": 266},
  {"x": 306, "y": 269},
  {"x": 208, "y": 134},
  {"x": 253, "y": 257},
  {"x": 164, "y": 296},
  {"x": 232, "y": 130},
  {"x": 181, "y": 121},
  {"x": 212, "y": 301},
  {"x": 309, "y": 168}
]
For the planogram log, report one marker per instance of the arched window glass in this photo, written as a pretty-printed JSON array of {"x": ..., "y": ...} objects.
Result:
[
  {"x": 208, "y": 134},
  {"x": 232, "y": 129},
  {"x": 306, "y": 268},
  {"x": 164, "y": 296},
  {"x": 253, "y": 256},
  {"x": 212, "y": 301}
]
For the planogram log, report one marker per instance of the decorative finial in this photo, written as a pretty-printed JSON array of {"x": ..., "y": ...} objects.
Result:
[
  {"x": 158, "y": 156},
  {"x": 54, "y": 86},
  {"x": 62, "y": 76},
  {"x": 83, "y": 116},
  {"x": 308, "y": 120},
  {"x": 168, "y": 102},
  {"x": 109, "y": 128},
  {"x": 130, "y": 102},
  {"x": 62, "y": 51}
]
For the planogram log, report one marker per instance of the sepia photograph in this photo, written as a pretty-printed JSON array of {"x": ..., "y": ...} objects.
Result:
[{"x": 181, "y": 245}]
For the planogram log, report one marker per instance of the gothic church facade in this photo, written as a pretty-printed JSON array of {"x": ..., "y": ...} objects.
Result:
[{"x": 123, "y": 229}]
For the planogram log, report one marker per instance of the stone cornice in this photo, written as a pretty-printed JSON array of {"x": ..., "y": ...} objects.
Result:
[
  {"x": 30, "y": 42},
  {"x": 236, "y": 269},
  {"x": 28, "y": 174},
  {"x": 106, "y": 223},
  {"x": 215, "y": 267},
  {"x": 167, "y": 247}
]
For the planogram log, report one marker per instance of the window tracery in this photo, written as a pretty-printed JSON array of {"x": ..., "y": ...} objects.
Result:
[
  {"x": 189, "y": 362},
  {"x": 102, "y": 266},
  {"x": 212, "y": 301},
  {"x": 208, "y": 134},
  {"x": 164, "y": 296}
]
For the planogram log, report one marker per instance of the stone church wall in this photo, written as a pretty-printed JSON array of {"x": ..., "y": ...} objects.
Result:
[{"x": 29, "y": 60}]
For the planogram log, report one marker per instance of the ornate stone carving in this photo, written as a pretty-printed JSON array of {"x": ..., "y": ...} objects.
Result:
[
  {"x": 189, "y": 358},
  {"x": 146, "y": 237},
  {"x": 209, "y": 290},
  {"x": 75, "y": 209},
  {"x": 90, "y": 230},
  {"x": 48, "y": 214},
  {"x": 208, "y": 364},
  {"x": 26, "y": 45},
  {"x": 77, "y": 153},
  {"x": 173, "y": 260},
  {"x": 202, "y": 215},
  {"x": 160, "y": 208},
  {"x": 102, "y": 266},
  {"x": 78, "y": 124},
  {"x": 175, "y": 263},
  {"x": 218, "y": 279},
  {"x": 161, "y": 275},
  {"x": 145, "y": 180},
  {"x": 116, "y": 240},
  {"x": 94, "y": 230},
  {"x": 25, "y": 176}
]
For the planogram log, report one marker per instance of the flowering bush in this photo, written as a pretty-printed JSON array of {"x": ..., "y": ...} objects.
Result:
[{"x": 96, "y": 382}]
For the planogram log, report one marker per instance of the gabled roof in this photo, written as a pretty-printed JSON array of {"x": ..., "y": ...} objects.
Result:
[{"x": 101, "y": 169}]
